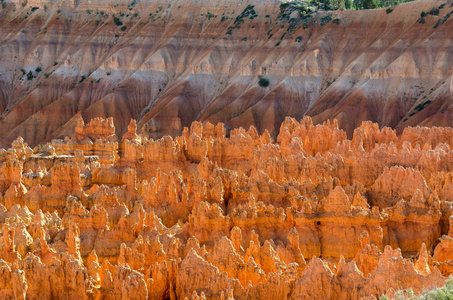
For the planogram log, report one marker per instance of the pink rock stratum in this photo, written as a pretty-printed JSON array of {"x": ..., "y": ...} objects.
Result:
[{"x": 168, "y": 63}]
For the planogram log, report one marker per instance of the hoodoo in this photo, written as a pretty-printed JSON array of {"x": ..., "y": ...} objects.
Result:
[
  {"x": 206, "y": 216},
  {"x": 225, "y": 149}
]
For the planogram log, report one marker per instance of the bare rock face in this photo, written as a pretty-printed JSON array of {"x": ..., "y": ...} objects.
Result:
[
  {"x": 167, "y": 66},
  {"x": 206, "y": 216}
]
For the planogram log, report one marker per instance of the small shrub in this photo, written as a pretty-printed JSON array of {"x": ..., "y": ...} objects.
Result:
[
  {"x": 389, "y": 10},
  {"x": 23, "y": 71},
  {"x": 284, "y": 5},
  {"x": 30, "y": 75},
  {"x": 38, "y": 69},
  {"x": 46, "y": 75},
  {"x": 423, "y": 14},
  {"x": 34, "y": 8},
  {"x": 434, "y": 11},
  {"x": 263, "y": 81},
  {"x": 123, "y": 28},
  {"x": 58, "y": 11},
  {"x": 439, "y": 22},
  {"x": 336, "y": 21},
  {"x": 445, "y": 292},
  {"x": 210, "y": 15},
  {"x": 117, "y": 21},
  {"x": 325, "y": 20}
]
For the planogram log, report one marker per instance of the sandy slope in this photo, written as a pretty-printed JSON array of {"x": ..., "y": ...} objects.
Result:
[{"x": 175, "y": 62}]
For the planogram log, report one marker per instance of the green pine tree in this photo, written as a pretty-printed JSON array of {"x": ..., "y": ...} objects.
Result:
[
  {"x": 369, "y": 4},
  {"x": 348, "y": 4}
]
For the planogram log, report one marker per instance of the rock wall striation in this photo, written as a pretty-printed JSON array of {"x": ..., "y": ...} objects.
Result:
[{"x": 167, "y": 64}]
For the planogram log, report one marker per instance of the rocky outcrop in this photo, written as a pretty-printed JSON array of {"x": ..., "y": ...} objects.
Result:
[{"x": 209, "y": 216}]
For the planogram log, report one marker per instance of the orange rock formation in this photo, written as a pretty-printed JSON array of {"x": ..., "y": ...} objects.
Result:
[{"x": 310, "y": 215}]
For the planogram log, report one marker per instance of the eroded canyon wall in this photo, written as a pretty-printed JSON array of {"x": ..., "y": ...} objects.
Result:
[{"x": 169, "y": 63}]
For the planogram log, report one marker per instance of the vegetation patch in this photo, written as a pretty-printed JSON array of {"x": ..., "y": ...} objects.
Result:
[
  {"x": 422, "y": 105},
  {"x": 249, "y": 12},
  {"x": 442, "y": 293},
  {"x": 305, "y": 15},
  {"x": 434, "y": 11},
  {"x": 419, "y": 107},
  {"x": 287, "y": 9},
  {"x": 443, "y": 20},
  {"x": 346, "y": 4},
  {"x": 325, "y": 20},
  {"x": 117, "y": 21},
  {"x": 422, "y": 18},
  {"x": 263, "y": 81},
  {"x": 210, "y": 15},
  {"x": 132, "y": 5}
]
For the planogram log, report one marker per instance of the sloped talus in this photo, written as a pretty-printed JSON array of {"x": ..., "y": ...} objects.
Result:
[{"x": 167, "y": 64}]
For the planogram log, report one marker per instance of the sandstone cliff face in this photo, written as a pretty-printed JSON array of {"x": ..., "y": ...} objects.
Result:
[
  {"x": 167, "y": 64},
  {"x": 311, "y": 215}
]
